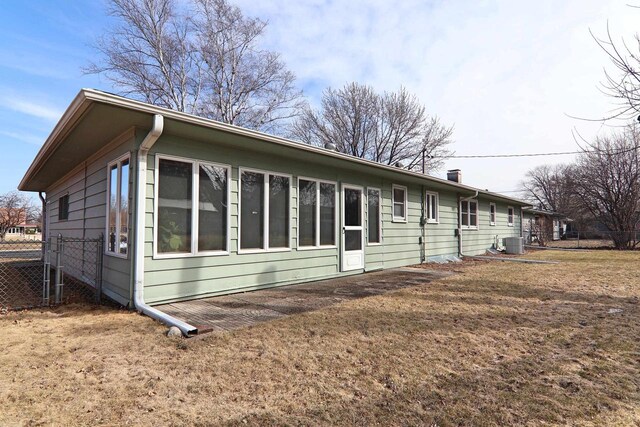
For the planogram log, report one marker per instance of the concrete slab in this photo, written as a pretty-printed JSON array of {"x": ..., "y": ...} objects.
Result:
[{"x": 239, "y": 310}]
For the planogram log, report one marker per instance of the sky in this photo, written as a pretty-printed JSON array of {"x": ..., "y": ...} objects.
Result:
[{"x": 510, "y": 76}]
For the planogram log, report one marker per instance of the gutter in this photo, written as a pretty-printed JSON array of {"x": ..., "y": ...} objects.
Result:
[
  {"x": 464, "y": 199},
  {"x": 138, "y": 284}
]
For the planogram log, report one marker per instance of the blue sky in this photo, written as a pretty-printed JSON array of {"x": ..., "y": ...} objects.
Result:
[{"x": 506, "y": 73}]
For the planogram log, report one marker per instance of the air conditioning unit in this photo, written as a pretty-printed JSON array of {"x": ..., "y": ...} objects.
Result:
[{"x": 514, "y": 245}]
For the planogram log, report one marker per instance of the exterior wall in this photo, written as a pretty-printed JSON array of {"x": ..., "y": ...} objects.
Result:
[
  {"x": 172, "y": 279},
  {"x": 87, "y": 190},
  {"x": 477, "y": 241}
]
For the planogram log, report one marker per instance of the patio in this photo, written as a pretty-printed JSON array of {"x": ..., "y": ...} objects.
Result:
[{"x": 228, "y": 312}]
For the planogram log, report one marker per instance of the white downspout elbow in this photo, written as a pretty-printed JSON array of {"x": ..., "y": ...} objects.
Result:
[{"x": 138, "y": 283}]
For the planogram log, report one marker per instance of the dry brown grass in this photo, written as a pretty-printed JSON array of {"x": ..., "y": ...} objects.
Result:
[{"x": 496, "y": 344}]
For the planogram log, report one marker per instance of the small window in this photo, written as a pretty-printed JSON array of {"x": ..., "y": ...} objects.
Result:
[
  {"x": 118, "y": 199},
  {"x": 264, "y": 210},
  {"x": 373, "y": 216},
  {"x": 63, "y": 207},
  {"x": 431, "y": 207},
  {"x": 492, "y": 214},
  {"x": 399, "y": 203},
  {"x": 469, "y": 214},
  {"x": 510, "y": 216},
  {"x": 316, "y": 213}
]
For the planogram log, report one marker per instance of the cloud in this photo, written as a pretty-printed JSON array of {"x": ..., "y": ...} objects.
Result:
[
  {"x": 506, "y": 73},
  {"x": 24, "y": 137},
  {"x": 31, "y": 108}
]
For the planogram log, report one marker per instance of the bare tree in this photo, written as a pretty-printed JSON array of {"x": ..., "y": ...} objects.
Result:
[
  {"x": 624, "y": 83},
  {"x": 201, "y": 58},
  {"x": 606, "y": 179},
  {"x": 15, "y": 209},
  {"x": 548, "y": 187},
  {"x": 386, "y": 128}
]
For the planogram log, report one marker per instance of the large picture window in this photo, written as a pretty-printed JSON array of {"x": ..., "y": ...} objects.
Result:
[
  {"x": 316, "y": 213},
  {"x": 469, "y": 213},
  {"x": 373, "y": 216},
  {"x": 192, "y": 215},
  {"x": 118, "y": 205},
  {"x": 264, "y": 210}
]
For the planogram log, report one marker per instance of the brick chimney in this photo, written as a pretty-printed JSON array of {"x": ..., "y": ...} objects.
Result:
[{"x": 455, "y": 175}]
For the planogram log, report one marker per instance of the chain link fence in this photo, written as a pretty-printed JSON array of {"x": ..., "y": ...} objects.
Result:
[
  {"x": 590, "y": 239},
  {"x": 21, "y": 274},
  {"x": 41, "y": 273}
]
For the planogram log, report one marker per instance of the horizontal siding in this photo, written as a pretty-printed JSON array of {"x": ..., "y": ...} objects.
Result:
[
  {"x": 87, "y": 190},
  {"x": 173, "y": 279}
]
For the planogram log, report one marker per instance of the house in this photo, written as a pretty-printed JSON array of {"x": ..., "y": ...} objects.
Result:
[
  {"x": 540, "y": 225},
  {"x": 192, "y": 208}
]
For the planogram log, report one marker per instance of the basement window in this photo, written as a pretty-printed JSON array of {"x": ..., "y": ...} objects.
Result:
[{"x": 118, "y": 203}]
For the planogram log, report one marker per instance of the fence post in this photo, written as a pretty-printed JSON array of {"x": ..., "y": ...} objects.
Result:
[
  {"x": 46, "y": 279},
  {"x": 58, "y": 283},
  {"x": 99, "y": 252}
]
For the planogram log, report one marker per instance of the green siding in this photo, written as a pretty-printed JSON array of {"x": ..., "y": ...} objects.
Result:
[
  {"x": 87, "y": 217},
  {"x": 172, "y": 279}
]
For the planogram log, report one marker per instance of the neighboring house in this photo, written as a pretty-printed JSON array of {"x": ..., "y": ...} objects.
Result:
[
  {"x": 15, "y": 221},
  {"x": 542, "y": 225},
  {"x": 191, "y": 207}
]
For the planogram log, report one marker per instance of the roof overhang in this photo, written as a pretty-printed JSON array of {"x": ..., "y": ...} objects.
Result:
[{"x": 94, "y": 118}]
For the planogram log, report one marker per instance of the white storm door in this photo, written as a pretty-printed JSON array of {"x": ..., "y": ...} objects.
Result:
[{"x": 352, "y": 229}]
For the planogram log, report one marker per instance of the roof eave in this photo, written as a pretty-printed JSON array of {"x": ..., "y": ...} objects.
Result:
[{"x": 77, "y": 107}]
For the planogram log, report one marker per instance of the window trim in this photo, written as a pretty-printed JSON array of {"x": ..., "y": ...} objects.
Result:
[
  {"x": 492, "y": 219},
  {"x": 395, "y": 218},
  {"x": 513, "y": 216},
  {"x": 335, "y": 212},
  {"x": 265, "y": 216},
  {"x": 118, "y": 161},
  {"x": 66, "y": 218},
  {"x": 195, "y": 186},
  {"x": 469, "y": 227},
  {"x": 379, "y": 216},
  {"x": 437, "y": 202}
]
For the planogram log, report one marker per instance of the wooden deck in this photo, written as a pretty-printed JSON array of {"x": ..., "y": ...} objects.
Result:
[{"x": 228, "y": 312}]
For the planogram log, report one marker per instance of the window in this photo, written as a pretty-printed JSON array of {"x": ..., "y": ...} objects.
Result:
[
  {"x": 192, "y": 206},
  {"x": 373, "y": 216},
  {"x": 469, "y": 213},
  {"x": 492, "y": 214},
  {"x": 63, "y": 207},
  {"x": 399, "y": 203},
  {"x": 316, "y": 213},
  {"x": 264, "y": 210},
  {"x": 431, "y": 207},
  {"x": 118, "y": 204},
  {"x": 510, "y": 216}
]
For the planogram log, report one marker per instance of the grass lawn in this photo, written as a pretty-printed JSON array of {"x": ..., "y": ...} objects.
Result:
[{"x": 497, "y": 344}]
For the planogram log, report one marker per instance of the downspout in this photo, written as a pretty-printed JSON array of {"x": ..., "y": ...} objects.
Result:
[
  {"x": 464, "y": 199},
  {"x": 138, "y": 284}
]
